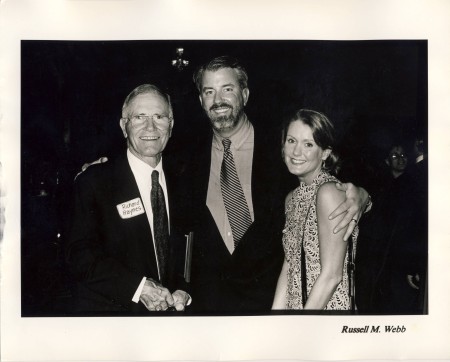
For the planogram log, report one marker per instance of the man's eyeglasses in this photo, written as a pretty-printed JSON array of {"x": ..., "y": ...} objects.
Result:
[
  {"x": 396, "y": 156},
  {"x": 160, "y": 121}
]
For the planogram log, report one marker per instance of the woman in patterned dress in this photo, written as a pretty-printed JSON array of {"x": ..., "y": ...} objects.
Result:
[{"x": 314, "y": 273}]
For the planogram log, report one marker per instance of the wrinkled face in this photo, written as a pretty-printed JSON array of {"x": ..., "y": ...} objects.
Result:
[
  {"x": 302, "y": 155},
  {"x": 145, "y": 140},
  {"x": 223, "y": 100},
  {"x": 398, "y": 159}
]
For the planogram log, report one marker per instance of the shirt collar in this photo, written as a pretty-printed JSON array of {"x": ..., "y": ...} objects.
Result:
[
  {"x": 238, "y": 139},
  {"x": 142, "y": 168}
]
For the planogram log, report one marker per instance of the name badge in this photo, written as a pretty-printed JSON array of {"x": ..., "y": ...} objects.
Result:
[{"x": 131, "y": 208}]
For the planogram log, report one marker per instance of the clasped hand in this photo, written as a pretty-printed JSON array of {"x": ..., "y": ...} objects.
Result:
[{"x": 155, "y": 297}]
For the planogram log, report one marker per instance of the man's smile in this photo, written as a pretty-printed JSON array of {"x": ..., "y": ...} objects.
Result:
[
  {"x": 149, "y": 138},
  {"x": 220, "y": 108}
]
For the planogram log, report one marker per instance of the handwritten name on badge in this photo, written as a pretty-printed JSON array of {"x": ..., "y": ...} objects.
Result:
[{"x": 131, "y": 208}]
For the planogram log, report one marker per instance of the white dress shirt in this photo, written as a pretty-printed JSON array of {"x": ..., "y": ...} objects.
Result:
[
  {"x": 143, "y": 175},
  {"x": 242, "y": 145}
]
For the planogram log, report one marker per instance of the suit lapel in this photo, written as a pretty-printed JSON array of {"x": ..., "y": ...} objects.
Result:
[
  {"x": 261, "y": 177},
  {"x": 171, "y": 180},
  {"x": 203, "y": 167}
]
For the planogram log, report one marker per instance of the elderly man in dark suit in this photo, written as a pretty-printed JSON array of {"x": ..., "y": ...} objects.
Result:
[
  {"x": 122, "y": 246},
  {"x": 237, "y": 191}
]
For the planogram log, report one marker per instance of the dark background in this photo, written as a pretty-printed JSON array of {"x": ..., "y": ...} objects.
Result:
[{"x": 72, "y": 94}]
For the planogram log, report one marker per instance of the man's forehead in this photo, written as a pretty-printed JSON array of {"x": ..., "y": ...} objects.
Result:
[
  {"x": 222, "y": 75},
  {"x": 149, "y": 99},
  {"x": 397, "y": 149}
]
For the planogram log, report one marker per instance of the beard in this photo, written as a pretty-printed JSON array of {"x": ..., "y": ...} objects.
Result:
[{"x": 225, "y": 122}]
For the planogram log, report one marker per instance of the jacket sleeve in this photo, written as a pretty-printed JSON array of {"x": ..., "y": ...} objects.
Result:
[{"x": 92, "y": 260}]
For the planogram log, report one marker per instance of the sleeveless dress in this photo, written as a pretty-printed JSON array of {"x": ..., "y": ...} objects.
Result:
[{"x": 301, "y": 223}]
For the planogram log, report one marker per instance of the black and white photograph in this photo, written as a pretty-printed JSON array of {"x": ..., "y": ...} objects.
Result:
[
  {"x": 227, "y": 192},
  {"x": 369, "y": 98}
]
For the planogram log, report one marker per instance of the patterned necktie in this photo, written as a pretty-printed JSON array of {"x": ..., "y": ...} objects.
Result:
[
  {"x": 160, "y": 226},
  {"x": 233, "y": 196}
]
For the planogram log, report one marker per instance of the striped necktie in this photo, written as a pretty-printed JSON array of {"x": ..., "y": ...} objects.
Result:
[
  {"x": 233, "y": 196},
  {"x": 160, "y": 226}
]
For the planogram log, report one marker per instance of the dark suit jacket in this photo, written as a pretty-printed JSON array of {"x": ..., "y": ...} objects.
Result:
[
  {"x": 245, "y": 281},
  {"x": 392, "y": 244},
  {"x": 108, "y": 256}
]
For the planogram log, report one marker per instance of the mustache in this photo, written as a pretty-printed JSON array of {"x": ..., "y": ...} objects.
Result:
[{"x": 220, "y": 105}]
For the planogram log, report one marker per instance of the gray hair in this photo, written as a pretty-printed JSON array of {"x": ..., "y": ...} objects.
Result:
[
  {"x": 147, "y": 89},
  {"x": 221, "y": 62}
]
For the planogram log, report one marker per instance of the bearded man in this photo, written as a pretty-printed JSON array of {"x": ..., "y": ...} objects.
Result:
[{"x": 236, "y": 186}]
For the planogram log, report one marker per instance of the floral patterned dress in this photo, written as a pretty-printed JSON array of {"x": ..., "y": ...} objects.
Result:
[{"x": 301, "y": 226}]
